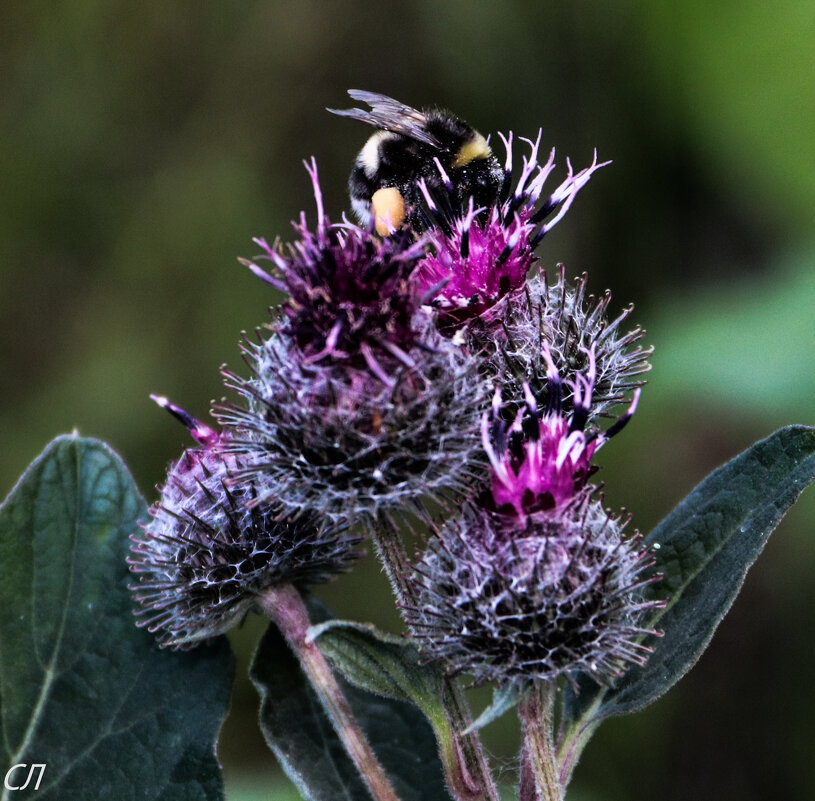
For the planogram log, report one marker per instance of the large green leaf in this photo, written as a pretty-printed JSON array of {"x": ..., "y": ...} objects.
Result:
[
  {"x": 706, "y": 545},
  {"x": 83, "y": 690},
  {"x": 300, "y": 734}
]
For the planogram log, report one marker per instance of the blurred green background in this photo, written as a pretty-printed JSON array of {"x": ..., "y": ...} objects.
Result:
[{"x": 143, "y": 144}]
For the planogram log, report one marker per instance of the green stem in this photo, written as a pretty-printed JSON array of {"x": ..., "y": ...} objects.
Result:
[
  {"x": 465, "y": 763},
  {"x": 572, "y": 744},
  {"x": 284, "y": 606},
  {"x": 536, "y": 713}
]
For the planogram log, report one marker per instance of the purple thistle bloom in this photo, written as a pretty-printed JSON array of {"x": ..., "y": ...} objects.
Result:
[
  {"x": 351, "y": 297},
  {"x": 535, "y": 579},
  {"x": 555, "y": 595},
  {"x": 541, "y": 461},
  {"x": 478, "y": 257},
  {"x": 208, "y": 551}
]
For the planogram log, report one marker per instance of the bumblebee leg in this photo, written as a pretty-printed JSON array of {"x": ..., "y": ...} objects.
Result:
[{"x": 389, "y": 210}]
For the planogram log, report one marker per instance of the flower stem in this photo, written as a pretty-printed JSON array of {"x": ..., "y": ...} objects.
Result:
[
  {"x": 285, "y": 607},
  {"x": 465, "y": 764},
  {"x": 536, "y": 713},
  {"x": 526, "y": 778}
]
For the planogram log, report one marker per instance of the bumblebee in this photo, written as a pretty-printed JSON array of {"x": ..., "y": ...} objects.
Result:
[{"x": 383, "y": 182}]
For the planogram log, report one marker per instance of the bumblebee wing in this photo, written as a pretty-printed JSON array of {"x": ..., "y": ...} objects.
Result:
[{"x": 388, "y": 114}]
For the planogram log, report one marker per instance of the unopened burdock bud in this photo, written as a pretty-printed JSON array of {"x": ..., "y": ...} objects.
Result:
[{"x": 209, "y": 551}]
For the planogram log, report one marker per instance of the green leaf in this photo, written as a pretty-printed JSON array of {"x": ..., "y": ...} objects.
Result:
[
  {"x": 504, "y": 698},
  {"x": 297, "y": 729},
  {"x": 300, "y": 734},
  {"x": 706, "y": 545},
  {"x": 83, "y": 690}
]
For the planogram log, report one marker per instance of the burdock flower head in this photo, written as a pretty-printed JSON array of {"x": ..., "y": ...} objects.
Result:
[
  {"x": 355, "y": 405},
  {"x": 558, "y": 595},
  {"x": 534, "y": 579},
  {"x": 478, "y": 257},
  {"x": 209, "y": 551}
]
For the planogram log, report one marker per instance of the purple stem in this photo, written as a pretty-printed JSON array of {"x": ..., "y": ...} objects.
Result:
[{"x": 284, "y": 606}]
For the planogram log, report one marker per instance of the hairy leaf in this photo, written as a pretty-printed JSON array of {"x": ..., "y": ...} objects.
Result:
[
  {"x": 380, "y": 663},
  {"x": 83, "y": 690},
  {"x": 705, "y": 547},
  {"x": 504, "y": 698}
]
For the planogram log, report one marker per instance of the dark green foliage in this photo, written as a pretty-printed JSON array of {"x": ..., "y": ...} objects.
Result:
[
  {"x": 380, "y": 663},
  {"x": 83, "y": 689},
  {"x": 706, "y": 546}
]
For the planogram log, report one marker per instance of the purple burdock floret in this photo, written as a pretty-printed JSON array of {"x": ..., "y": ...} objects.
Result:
[
  {"x": 208, "y": 551},
  {"x": 351, "y": 296},
  {"x": 542, "y": 460},
  {"x": 478, "y": 257}
]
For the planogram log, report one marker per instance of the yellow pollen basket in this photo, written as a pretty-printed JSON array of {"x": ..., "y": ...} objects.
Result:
[
  {"x": 476, "y": 148},
  {"x": 388, "y": 208}
]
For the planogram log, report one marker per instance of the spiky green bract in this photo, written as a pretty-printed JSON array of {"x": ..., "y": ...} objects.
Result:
[
  {"x": 208, "y": 552},
  {"x": 570, "y": 325},
  {"x": 507, "y": 600},
  {"x": 341, "y": 443}
]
